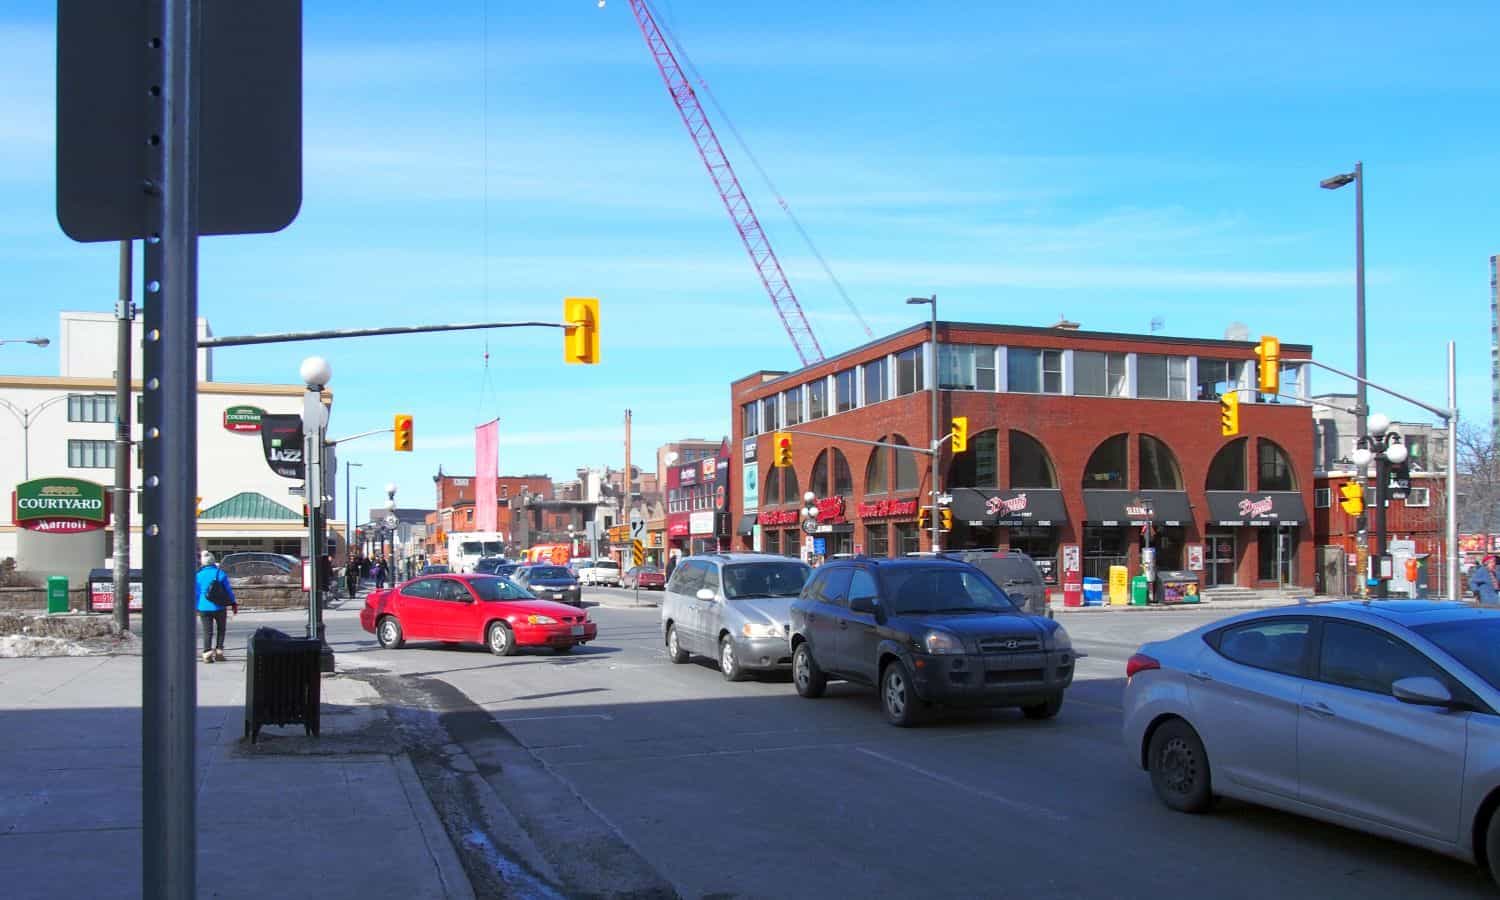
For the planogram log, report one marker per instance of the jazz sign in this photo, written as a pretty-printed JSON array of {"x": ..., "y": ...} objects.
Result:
[{"x": 60, "y": 505}]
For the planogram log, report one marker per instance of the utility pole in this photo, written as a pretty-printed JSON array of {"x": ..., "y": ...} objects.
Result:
[
  {"x": 124, "y": 338},
  {"x": 625, "y": 506}
]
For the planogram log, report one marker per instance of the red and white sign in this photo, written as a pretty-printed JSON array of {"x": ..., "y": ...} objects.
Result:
[
  {"x": 831, "y": 509},
  {"x": 773, "y": 517},
  {"x": 1255, "y": 509},
  {"x": 996, "y": 505},
  {"x": 678, "y": 528},
  {"x": 708, "y": 468},
  {"x": 884, "y": 509},
  {"x": 1195, "y": 557},
  {"x": 1072, "y": 580}
]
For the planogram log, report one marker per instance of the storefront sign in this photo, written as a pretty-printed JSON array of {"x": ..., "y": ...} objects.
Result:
[
  {"x": 747, "y": 452},
  {"x": 678, "y": 529},
  {"x": 60, "y": 505},
  {"x": 102, "y": 595},
  {"x": 281, "y": 439},
  {"x": 772, "y": 518},
  {"x": 1256, "y": 509},
  {"x": 1138, "y": 512},
  {"x": 831, "y": 509},
  {"x": 884, "y": 509},
  {"x": 1195, "y": 557},
  {"x": 687, "y": 475},
  {"x": 243, "y": 419},
  {"x": 709, "y": 466},
  {"x": 750, "y": 486},
  {"x": 997, "y": 505},
  {"x": 701, "y": 522}
]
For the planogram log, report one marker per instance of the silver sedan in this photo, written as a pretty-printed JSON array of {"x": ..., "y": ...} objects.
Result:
[{"x": 1376, "y": 716}]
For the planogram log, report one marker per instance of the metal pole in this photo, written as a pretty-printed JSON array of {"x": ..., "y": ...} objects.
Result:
[
  {"x": 124, "y": 328},
  {"x": 1382, "y": 478},
  {"x": 169, "y": 683},
  {"x": 1455, "y": 590},
  {"x": 932, "y": 436},
  {"x": 1359, "y": 294}
]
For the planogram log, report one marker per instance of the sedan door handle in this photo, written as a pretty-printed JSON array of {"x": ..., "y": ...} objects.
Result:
[
  {"x": 1320, "y": 709},
  {"x": 843, "y": 623},
  {"x": 1200, "y": 675}
]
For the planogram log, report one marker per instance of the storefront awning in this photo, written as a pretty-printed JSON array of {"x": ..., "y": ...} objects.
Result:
[
  {"x": 1012, "y": 508},
  {"x": 1260, "y": 508},
  {"x": 747, "y": 524},
  {"x": 1136, "y": 507}
]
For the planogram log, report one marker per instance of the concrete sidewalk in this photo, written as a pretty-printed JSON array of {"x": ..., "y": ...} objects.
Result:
[{"x": 339, "y": 816}]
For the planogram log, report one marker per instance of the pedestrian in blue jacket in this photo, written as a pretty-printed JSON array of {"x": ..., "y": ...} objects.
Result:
[
  {"x": 1485, "y": 583},
  {"x": 215, "y": 599}
]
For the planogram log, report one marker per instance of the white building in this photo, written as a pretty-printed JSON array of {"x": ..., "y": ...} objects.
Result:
[{"x": 63, "y": 425}]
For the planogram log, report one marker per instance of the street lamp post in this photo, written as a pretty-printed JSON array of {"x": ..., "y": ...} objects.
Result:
[
  {"x": 40, "y": 341},
  {"x": 349, "y": 516},
  {"x": 316, "y": 373},
  {"x": 810, "y": 512},
  {"x": 1333, "y": 183},
  {"x": 1385, "y": 449},
  {"x": 26, "y": 417},
  {"x": 390, "y": 526},
  {"x": 932, "y": 434}
]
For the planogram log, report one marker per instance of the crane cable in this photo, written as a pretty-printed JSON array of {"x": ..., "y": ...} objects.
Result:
[{"x": 771, "y": 186}]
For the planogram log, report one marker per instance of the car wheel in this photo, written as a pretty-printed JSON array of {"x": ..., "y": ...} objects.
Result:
[
  {"x": 388, "y": 633},
  {"x": 729, "y": 662},
  {"x": 1179, "y": 768},
  {"x": 562, "y": 649},
  {"x": 898, "y": 698},
  {"x": 1044, "y": 710},
  {"x": 500, "y": 639},
  {"x": 674, "y": 650},
  {"x": 806, "y": 675}
]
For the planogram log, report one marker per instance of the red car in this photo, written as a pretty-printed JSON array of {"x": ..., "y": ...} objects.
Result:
[
  {"x": 646, "y": 578},
  {"x": 473, "y": 609}
]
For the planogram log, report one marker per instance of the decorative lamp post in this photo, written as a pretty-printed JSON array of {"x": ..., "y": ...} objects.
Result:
[{"x": 1386, "y": 449}]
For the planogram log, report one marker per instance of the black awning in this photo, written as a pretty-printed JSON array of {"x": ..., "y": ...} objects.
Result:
[
  {"x": 747, "y": 524},
  {"x": 1136, "y": 507},
  {"x": 1259, "y": 509},
  {"x": 984, "y": 507}
]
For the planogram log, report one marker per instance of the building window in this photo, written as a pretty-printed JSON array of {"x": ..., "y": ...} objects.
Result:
[
  {"x": 1290, "y": 376},
  {"x": 906, "y": 465},
  {"x": 1097, "y": 374},
  {"x": 771, "y": 540},
  {"x": 878, "y": 540},
  {"x": 877, "y": 471},
  {"x": 908, "y": 371},
  {"x": 1323, "y": 498},
  {"x": 769, "y": 420},
  {"x": 966, "y": 367},
  {"x": 91, "y": 454},
  {"x": 793, "y": 405},
  {"x": 1161, "y": 377},
  {"x": 1030, "y": 466},
  {"x": 843, "y": 388},
  {"x": 1106, "y": 469},
  {"x": 1418, "y": 497},
  {"x": 1274, "y": 468},
  {"x": 1227, "y": 471},
  {"x": 817, "y": 399},
  {"x": 979, "y": 468},
  {"x": 1159, "y": 469},
  {"x": 842, "y": 484},
  {"x": 908, "y": 539},
  {"x": 749, "y": 421},
  {"x": 875, "y": 381},
  {"x": 1217, "y": 376},
  {"x": 1033, "y": 371},
  {"x": 91, "y": 408}
]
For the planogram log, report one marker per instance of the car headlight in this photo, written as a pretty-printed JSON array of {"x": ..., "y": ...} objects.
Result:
[
  {"x": 752, "y": 630},
  {"x": 942, "y": 642},
  {"x": 541, "y": 620},
  {"x": 1061, "y": 640}
]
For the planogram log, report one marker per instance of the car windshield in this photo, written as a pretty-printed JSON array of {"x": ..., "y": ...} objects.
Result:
[
  {"x": 548, "y": 572},
  {"x": 946, "y": 589},
  {"x": 606, "y": 564},
  {"x": 472, "y": 547},
  {"x": 493, "y": 548},
  {"x": 765, "y": 579},
  {"x": 496, "y": 589},
  {"x": 434, "y": 570},
  {"x": 1473, "y": 642}
]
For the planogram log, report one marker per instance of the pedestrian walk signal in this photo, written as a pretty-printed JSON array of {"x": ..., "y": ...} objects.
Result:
[
  {"x": 1229, "y": 413},
  {"x": 781, "y": 443},
  {"x": 1353, "y": 497},
  {"x": 1269, "y": 352},
  {"x": 581, "y": 330},
  {"x": 403, "y": 432},
  {"x": 960, "y": 433}
]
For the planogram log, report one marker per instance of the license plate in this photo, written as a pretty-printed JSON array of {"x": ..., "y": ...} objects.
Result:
[
  {"x": 578, "y": 630},
  {"x": 558, "y": 595}
]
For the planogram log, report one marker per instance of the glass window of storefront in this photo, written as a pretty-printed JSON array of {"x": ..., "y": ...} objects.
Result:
[
  {"x": 905, "y": 465},
  {"x": 979, "y": 468},
  {"x": 1215, "y": 376},
  {"x": 1030, "y": 466},
  {"x": 908, "y": 371},
  {"x": 792, "y": 403},
  {"x": 1159, "y": 470},
  {"x": 1107, "y": 467},
  {"x": 831, "y": 462},
  {"x": 1097, "y": 374},
  {"x": 749, "y": 420},
  {"x": 878, "y": 539},
  {"x": 1040, "y": 543},
  {"x": 1103, "y": 546},
  {"x": 817, "y": 399},
  {"x": 1161, "y": 377},
  {"x": 876, "y": 386},
  {"x": 877, "y": 473},
  {"x": 907, "y": 539},
  {"x": 1029, "y": 371},
  {"x": 1227, "y": 471},
  {"x": 843, "y": 479},
  {"x": 1275, "y": 470},
  {"x": 771, "y": 541},
  {"x": 1276, "y": 554},
  {"x": 843, "y": 389}
]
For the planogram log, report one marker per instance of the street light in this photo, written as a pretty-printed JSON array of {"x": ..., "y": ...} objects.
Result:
[
  {"x": 932, "y": 435},
  {"x": 40, "y": 342},
  {"x": 26, "y": 417},
  {"x": 1385, "y": 448},
  {"x": 349, "y": 516},
  {"x": 316, "y": 373},
  {"x": 1333, "y": 183}
]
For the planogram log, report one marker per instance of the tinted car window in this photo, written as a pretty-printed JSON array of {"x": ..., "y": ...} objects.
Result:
[
  {"x": 941, "y": 590},
  {"x": 711, "y": 577},
  {"x": 606, "y": 564},
  {"x": 495, "y": 589},
  {"x": 862, "y": 586},
  {"x": 548, "y": 573},
  {"x": 1476, "y": 644},
  {"x": 425, "y": 588},
  {"x": 1369, "y": 660},
  {"x": 453, "y": 591},
  {"x": 834, "y": 588},
  {"x": 687, "y": 578},
  {"x": 764, "y": 579},
  {"x": 1277, "y": 645}
]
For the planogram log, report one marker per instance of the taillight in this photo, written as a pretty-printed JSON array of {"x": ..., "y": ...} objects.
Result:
[
  {"x": 1139, "y": 662},
  {"x": 1046, "y": 596}
]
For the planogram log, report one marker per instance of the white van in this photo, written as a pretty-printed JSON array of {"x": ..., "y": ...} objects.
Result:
[{"x": 599, "y": 571}]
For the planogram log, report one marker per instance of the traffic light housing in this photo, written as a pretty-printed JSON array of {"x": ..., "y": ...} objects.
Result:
[
  {"x": 581, "y": 334},
  {"x": 960, "y": 433},
  {"x": 1353, "y": 497},
  {"x": 198, "y": 506},
  {"x": 781, "y": 456},
  {"x": 946, "y": 519},
  {"x": 924, "y": 516},
  {"x": 1269, "y": 352},
  {"x": 1229, "y": 413},
  {"x": 403, "y": 433}
]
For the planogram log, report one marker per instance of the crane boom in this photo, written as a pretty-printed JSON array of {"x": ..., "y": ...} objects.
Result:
[{"x": 728, "y": 186}]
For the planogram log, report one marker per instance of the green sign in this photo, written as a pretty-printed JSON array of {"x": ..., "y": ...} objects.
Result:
[
  {"x": 243, "y": 419},
  {"x": 60, "y": 505}
]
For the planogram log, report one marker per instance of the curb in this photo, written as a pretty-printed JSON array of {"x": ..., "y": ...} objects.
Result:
[
  {"x": 450, "y": 870},
  {"x": 1176, "y": 607}
]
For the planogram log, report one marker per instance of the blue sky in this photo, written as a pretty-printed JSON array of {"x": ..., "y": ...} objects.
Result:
[{"x": 1022, "y": 160}]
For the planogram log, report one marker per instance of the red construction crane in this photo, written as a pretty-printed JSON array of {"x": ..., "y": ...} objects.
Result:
[{"x": 728, "y": 186}]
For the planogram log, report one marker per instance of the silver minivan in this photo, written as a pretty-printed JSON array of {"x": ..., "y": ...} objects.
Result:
[{"x": 732, "y": 607}]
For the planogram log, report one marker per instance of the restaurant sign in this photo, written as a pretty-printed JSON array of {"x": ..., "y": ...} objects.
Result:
[
  {"x": 60, "y": 505},
  {"x": 884, "y": 509},
  {"x": 773, "y": 517}
]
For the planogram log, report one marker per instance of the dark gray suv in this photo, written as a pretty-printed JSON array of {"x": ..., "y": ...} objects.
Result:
[{"x": 1016, "y": 573}]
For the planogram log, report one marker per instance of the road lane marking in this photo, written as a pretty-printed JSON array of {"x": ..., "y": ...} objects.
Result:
[{"x": 954, "y": 783}]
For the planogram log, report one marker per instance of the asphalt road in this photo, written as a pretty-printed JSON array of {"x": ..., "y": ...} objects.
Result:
[{"x": 747, "y": 790}]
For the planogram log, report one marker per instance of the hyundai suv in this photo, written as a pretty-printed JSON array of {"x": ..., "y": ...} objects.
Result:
[{"x": 926, "y": 632}]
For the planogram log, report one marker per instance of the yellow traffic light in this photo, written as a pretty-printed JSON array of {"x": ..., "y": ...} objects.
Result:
[
  {"x": 947, "y": 519},
  {"x": 1353, "y": 494},
  {"x": 199, "y": 507},
  {"x": 1229, "y": 413},
  {"x": 923, "y": 517},
  {"x": 781, "y": 444},
  {"x": 1269, "y": 352},
  {"x": 403, "y": 432},
  {"x": 581, "y": 336},
  {"x": 960, "y": 433}
]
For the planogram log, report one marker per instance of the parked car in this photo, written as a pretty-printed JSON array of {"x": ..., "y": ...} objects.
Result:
[
  {"x": 551, "y": 583},
  {"x": 1380, "y": 717},
  {"x": 1016, "y": 573},
  {"x": 733, "y": 607},
  {"x": 644, "y": 577},
  {"x": 489, "y": 565},
  {"x": 433, "y": 569},
  {"x": 250, "y": 563},
  {"x": 599, "y": 571},
  {"x": 926, "y": 631},
  {"x": 473, "y": 609}
]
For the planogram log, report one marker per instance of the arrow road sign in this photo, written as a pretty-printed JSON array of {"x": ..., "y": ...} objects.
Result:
[{"x": 637, "y": 528}]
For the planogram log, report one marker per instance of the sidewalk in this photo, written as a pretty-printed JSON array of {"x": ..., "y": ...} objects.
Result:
[
  {"x": 1226, "y": 606},
  {"x": 339, "y": 816}
]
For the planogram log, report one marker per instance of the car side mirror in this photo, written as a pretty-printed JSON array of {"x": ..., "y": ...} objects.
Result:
[
  {"x": 1422, "y": 690},
  {"x": 863, "y": 605},
  {"x": 706, "y": 594}
]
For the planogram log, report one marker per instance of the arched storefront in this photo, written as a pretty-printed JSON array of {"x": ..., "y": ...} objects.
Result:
[
  {"x": 888, "y": 509},
  {"x": 1256, "y": 515},
  {"x": 1024, "y": 510}
]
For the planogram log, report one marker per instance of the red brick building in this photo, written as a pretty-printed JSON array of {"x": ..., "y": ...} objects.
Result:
[
  {"x": 456, "y": 508},
  {"x": 1419, "y": 519},
  {"x": 1078, "y": 442}
]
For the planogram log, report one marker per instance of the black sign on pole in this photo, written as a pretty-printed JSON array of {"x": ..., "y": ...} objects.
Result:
[
  {"x": 281, "y": 439},
  {"x": 249, "y": 117}
]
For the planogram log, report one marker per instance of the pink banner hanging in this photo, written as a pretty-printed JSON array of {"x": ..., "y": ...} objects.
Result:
[{"x": 486, "y": 472}]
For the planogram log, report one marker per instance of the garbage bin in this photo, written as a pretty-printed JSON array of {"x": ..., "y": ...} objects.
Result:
[
  {"x": 1119, "y": 585},
  {"x": 1093, "y": 592},
  {"x": 1139, "y": 593},
  {"x": 282, "y": 682},
  {"x": 1178, "y": 586},
  {"x": 57, "y": 594}
]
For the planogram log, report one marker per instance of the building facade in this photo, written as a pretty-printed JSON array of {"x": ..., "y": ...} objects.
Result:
[
  {"x": 1414, "y": 527},
  {"x": 1084, "y": 449}
]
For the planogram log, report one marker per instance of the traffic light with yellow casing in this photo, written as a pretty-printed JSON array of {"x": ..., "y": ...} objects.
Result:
[
  {"x": 1269, "y": 352},
  {"x": 946, "y": 518},
  {"x": 1229, "y": 413},
  {"x": 403, "y": 433},
  {"x": 781, "y": 456},
  {"x": 1352, "y": 495},
  {"x": 960, "y": 433},
  {"x": 581, "y": 331}
]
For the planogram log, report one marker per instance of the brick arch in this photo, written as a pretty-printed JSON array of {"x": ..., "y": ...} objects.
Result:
[
  {"x": 1093, "y": 460},
  {"x": 1010, "y": 456},
  {"x": 1169, "y": 457},
  {"x": 1220, "y": 459}
]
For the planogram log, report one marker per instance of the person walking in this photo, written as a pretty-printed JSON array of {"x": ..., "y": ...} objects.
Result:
[
  {"x": 215, "y": 598},
  {"x": 378, "y": 571},
  {"x": 351, "y": 576},
  {"x": 1485, "y": 583}
]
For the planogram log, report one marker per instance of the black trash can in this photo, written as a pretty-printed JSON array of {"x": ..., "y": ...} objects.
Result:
[{"x": 282, "y": 682}]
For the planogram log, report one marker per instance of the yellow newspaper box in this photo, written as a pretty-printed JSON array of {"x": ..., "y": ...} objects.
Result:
[{"x": 1119, "y": 585}]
